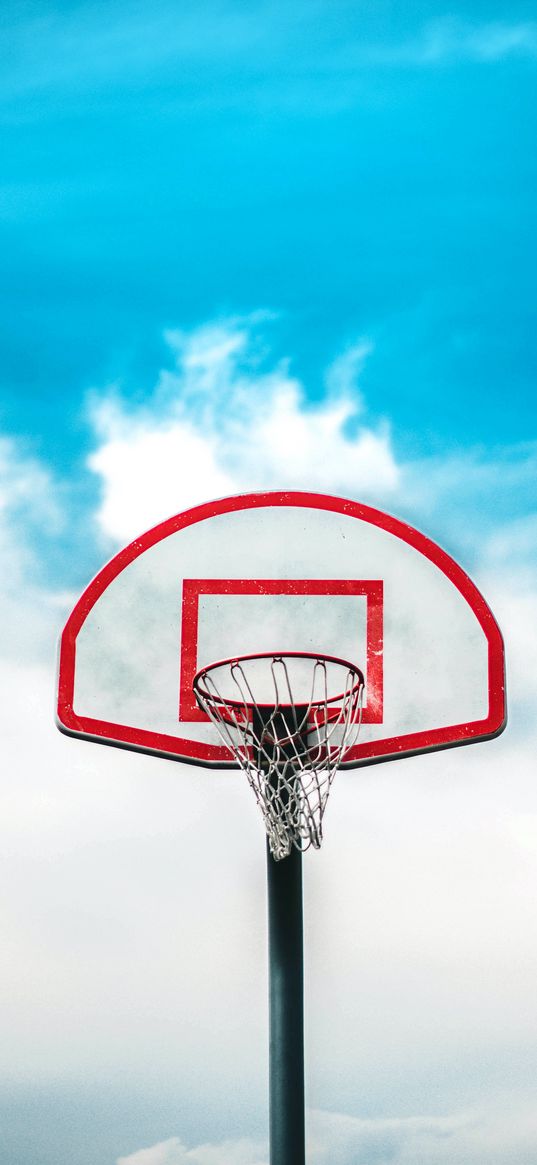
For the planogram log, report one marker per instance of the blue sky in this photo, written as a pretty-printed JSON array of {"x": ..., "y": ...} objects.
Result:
[
  {"x": 352, "y": 167},
  {"x": 222, "y": 221}
]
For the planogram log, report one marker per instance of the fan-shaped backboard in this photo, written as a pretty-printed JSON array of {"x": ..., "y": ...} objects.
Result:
[{"x": 282, "y": 572}]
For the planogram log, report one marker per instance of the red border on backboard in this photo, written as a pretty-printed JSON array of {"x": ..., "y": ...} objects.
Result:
[
  {"x": 128, "y": 736},
  {"x": 370, "y": 589}
]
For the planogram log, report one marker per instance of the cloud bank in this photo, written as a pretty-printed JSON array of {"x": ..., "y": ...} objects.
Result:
[
  {"x": 220, "y": 424},
  {"x": 482, "y": 1137},
  {"x": 224, "y": 420}
]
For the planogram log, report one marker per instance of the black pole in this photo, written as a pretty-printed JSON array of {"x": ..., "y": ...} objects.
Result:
[{"x": 286, "y": 1009}]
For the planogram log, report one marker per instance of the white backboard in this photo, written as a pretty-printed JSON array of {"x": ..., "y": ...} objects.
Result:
[{"x": 282, "y": 572}]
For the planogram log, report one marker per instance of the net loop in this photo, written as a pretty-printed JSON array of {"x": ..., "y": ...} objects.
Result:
[{"x": 289, "y": 720}]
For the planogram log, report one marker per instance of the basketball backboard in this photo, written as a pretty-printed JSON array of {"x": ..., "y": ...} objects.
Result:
[{"x": 281, "y": 572}]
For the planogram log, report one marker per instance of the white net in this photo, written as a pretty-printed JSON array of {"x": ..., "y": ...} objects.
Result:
[{"x": 289, "y": 720}]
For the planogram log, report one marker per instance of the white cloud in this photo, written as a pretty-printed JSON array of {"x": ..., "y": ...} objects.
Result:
[
  {"x": 30, "y": 512},
  {"x": 482, "y": 1137},
  {"x": 174, "y": 1152},
  {"x": 494, "y": 41},
  {"x": 513, "y": 545},
  {"x": 471, "y": 502},
  {"x": 83, "y": 51},
  {"x": 495, "y": 1135},
  {"x": 27, "y": 502},
  {"x": 150, "y": 471},
  {"x": 495, "y": 483},
  {"x": 449, "y": 41},
  {"x": 343, "y": 374},
  {"x": 222, "y": 424}
]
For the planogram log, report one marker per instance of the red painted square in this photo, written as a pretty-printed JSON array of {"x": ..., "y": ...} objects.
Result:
[{"x": 370, "y": 589}]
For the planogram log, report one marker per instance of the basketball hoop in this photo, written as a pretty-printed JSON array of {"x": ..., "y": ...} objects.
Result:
[
  {"x": 195, "y": 588},
  {"x": 289, "y": 720}
]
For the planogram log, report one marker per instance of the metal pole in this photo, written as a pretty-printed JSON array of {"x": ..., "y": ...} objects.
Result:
[{"x": 286, "y": 1009}]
